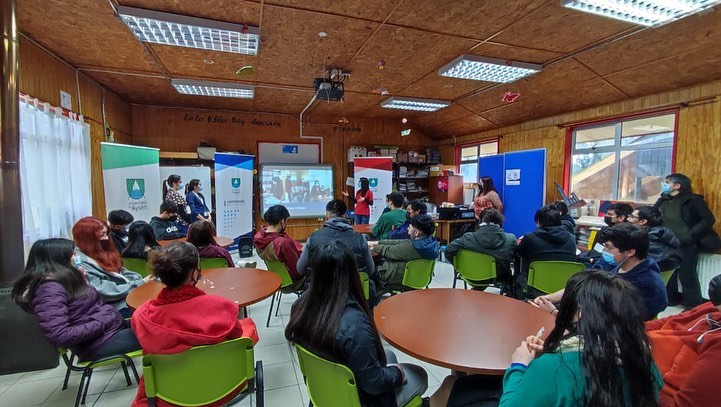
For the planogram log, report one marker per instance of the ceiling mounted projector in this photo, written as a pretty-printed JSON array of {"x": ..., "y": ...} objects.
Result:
[{"x": 327, "y": 89}]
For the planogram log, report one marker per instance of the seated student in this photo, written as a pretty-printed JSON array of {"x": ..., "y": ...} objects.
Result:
[
  {"x": 183, "y": 316},
  {"x": 166, "y": 225},
  {"x": 118, "y": 221},
  {"x": 550, "y": 242},
  {"x": 102, "y": 264},
  {"x": 489, "y": 239},
  {"x": 687, "y": 349},
  {"x": 69, "y": 311},
  {"x": 200, "y": 235},
  {"x": 396, "y": 216},
  {"x": 142, "y": 241},
  {"x": 596, "y": 355},
  {"x": 396, "y": 253},
  {"x": 413, "y": 208},
  {"x": 273, "y": 244},
  {"x": 626, "y": 246},
  {"x": 615, "y": 214},
  {"x": 332, "y": 320},
  {"x": 567, "y": 220}
]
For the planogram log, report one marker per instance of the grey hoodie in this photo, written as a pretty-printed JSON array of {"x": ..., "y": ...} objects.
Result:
[
  {"x": 112, "y": 287},
  {"x": 489, "y": 239}
]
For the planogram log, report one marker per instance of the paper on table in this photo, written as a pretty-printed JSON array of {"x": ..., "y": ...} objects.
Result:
[{"x": 350, "y": 181}]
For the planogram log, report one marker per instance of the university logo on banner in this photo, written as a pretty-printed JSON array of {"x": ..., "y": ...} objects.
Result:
[
  {"x": 235, "y": 183},
  {"x": 135, "y": 187}
]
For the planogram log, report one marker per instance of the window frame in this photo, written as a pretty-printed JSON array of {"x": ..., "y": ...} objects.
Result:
[
  {"x": 617, "y": 148},
  {"x": 477, "y": 144}
]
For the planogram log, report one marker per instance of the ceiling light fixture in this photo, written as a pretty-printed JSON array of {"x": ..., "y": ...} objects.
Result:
[
  {"x": 193, "y": 32},
  {"x": 423, "y": 105},
  {"x": 642, "y": 12},
  {"x": 217, "y": 89},
  {"x": 488, "y": 69}
]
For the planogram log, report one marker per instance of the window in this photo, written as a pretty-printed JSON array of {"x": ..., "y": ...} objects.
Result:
[
  {"x": 624, "y": 160},
  {"x": 469, "y": 155}
]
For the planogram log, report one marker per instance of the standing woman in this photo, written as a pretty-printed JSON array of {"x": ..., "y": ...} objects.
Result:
[
  {"x": 171, "y": 192},
  {"x": 196, "y": 201},
  {"x": 69, "y": 311},
  {"x": 363, "y": 200},
  {"x": 142, "y": 241},
  {"x": 103, "y": 265},
  {"x": 332, "y": 320},
  {"x": 487, "y": 197}
]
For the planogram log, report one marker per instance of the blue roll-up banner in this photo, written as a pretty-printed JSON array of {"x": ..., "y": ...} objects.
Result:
[{"x": 234, "y": 194}]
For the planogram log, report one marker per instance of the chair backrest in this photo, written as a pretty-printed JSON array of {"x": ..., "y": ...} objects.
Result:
[
  {"x": 418, "y": 273},
  {"x": 551, "y": 276},
  {"x": 666, "y": 276},
  {"x": 328, "y": 383},
  {"x": 365, "y": 283},
  {"x": 201, "y": 375},
  {"x": 278, "y": 267},
  {"x": 213, "y": 263},
  {"x": 139, "y": 266},
  {"x": 475, "y": 267}
]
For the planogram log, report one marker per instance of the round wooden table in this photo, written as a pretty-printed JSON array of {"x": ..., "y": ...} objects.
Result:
[
  {"x": 221, "y": 240},
  {"x": 465, "y": 330},
  {"x": 363, "y": 229},
  {"x": 244, "y": 286}
]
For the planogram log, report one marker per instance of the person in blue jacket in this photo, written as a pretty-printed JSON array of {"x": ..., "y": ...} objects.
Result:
[{"x": 196, "y": 201}]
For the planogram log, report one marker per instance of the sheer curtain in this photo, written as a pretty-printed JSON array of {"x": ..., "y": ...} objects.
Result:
[{"x": 54, "y": 171}]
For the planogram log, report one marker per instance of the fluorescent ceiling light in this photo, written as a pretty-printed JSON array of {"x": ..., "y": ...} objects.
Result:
[
  {"x": 488, "y": 69},
  {"x": 423, "y": 105},
  {"x": 218, "y": 89},
  {"x": 642, "y": 12},
  {"x": 184, "y": 31}
]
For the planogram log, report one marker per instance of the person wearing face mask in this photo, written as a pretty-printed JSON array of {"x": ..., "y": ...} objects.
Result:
[
  {"x": 196, "y": 201},
  {"x": 690, "y": 219},
  {"x": 626, "y": 247},
  {"x": 118, "y": 220},
  {"x": 414, "y": 208},
  {"x": 165, "y": 225},
  {"x": 363, "y": 201},
  {"x": 615, "y": 214},
  {"x": 396, "y": 253},
  {"x": 273, "y": 244},
  {"x": 171, "y": 192},
  {"x": 102, "y": 264},
  {"x": 687, "y": 349},
  {"x": 182, "y": 315}
]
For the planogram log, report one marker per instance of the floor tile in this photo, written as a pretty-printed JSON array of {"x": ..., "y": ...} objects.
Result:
[
  {"x": 27, "y": 394},
  {"x": 98, "y": 382},
  {"x": 120, "y": 398},
  {"x": 3, "y": 388},
  {"x": 284, "y": 397},
  {"x": 277, "y": 376},
  {"x": 89, "y": 401},
  {"x": 58, "y": 372},
  {"x": 8, "y": 379},
  {"x": 273, "y": 355},
  {"x": 270, "y": 337}
]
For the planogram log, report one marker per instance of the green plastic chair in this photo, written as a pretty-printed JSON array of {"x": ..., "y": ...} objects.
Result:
[
  {"x": 666, "y": 276},
  {"x": 551, "y": 276},
  {"x": 365, "y": 283},
  {"x": 278, "y": 267},
  {"x": 87, "y": 367},
  {"x": 331, "y": 384},
  {"x": 475, "y": 269},
  {"x": 204, "y": 374},
  {"x": 139, "y": 266},
  {"x": 418, "y": 274},
  {"x": 213, "y": 263}
]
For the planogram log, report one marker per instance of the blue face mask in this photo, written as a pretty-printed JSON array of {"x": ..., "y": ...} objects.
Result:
[
  {"x": 665, "y": 188},
  {"x": 200, "y": 189},
  {"x": 608, "y": 258}
]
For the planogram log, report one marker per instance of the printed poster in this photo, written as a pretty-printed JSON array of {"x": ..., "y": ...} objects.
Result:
[
  {"x": 234, "y": 194},
  {"x": 131, "y": 178},
  {"x": 379, "y": 171}
]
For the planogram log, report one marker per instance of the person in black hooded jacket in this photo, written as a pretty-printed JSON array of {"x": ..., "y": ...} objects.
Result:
[
  {"x": 567, "y": 220},
  {"x": 549, "y": 242}
]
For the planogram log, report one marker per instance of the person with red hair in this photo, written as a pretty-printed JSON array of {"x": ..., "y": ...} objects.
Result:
[{"x": 99, "y": 259}]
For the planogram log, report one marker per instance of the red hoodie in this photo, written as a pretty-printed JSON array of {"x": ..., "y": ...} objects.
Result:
[
  {"x": 689, "y": 369},
  {"x": 278, "y": 246},
  {"x": 184, "y": 317}
]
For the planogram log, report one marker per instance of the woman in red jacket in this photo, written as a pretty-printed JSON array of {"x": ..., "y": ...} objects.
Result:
[
  {"x": 687, "y": 350},
  {"x": 363, "y": 200},
  {"x": 183, "y": 316}
]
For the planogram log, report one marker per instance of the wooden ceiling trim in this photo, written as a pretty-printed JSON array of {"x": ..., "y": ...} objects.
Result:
[
  {"x": 372, "y": 35},
  {"x": 602, "y": 78}
]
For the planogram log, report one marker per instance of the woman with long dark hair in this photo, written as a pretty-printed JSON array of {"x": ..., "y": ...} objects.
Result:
[
  {"x": 171, "y": 192},
  {"x": 363, "y": 201},
  {"x": 69, "y": 311},
  {"x": 196, "y": 201},
  {"x": 102, "y": 263},
  {"x": 332, "y": 320},
  {"x": 142, "y": 240},
  {"x": 487, "y": 197},
  {"x": 200, "y": 235}
]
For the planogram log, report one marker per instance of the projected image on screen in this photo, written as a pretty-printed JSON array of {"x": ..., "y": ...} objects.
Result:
[{"x": 303, "y": 189}]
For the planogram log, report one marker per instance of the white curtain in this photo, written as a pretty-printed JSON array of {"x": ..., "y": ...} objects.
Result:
[{"x": 54, "y": 172}]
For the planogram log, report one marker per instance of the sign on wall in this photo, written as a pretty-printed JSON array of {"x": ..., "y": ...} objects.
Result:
[
  {"x": 379, "y": 171},
  {"x": 234, "y": 194},
  {"x": 131, "y": 177}
]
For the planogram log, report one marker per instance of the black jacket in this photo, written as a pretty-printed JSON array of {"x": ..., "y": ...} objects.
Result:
[
  {"x": 337, "y": 229},
  {"x": 165, "y": 229},
  {"x": 663, "y": 247},
  {"x": 569, "y": 223},
  {"x": 546, "y": 244},
  {"x": 695, "y": 213},
  {"x": 120, "y": 239},
  {"x": 489, "y": 239}
]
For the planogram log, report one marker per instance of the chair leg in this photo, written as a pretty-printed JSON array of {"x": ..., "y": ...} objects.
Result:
[
  {"x": 277, "y": 307},
  {"x": 259, "y": 386},
  {"x": 125, "y": 371},
  {"x": 455, "y": 278},
  {"x": 87, "y": 385},
  {"x": 245, "y": 312},
  {"x": 135, "y": 372},
  {"x": 80, "y": 388},
  {"x": 270, "y": 311},
  {"x": 67, "y": 377}
]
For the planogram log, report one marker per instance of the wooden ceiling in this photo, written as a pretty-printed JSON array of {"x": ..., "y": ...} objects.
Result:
[{"x": 588, "y": 60}]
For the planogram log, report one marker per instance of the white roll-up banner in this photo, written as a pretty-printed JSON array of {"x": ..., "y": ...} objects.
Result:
[
  {"x": 234, "y": 194},
  {"x": 131, "y": 176}
]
